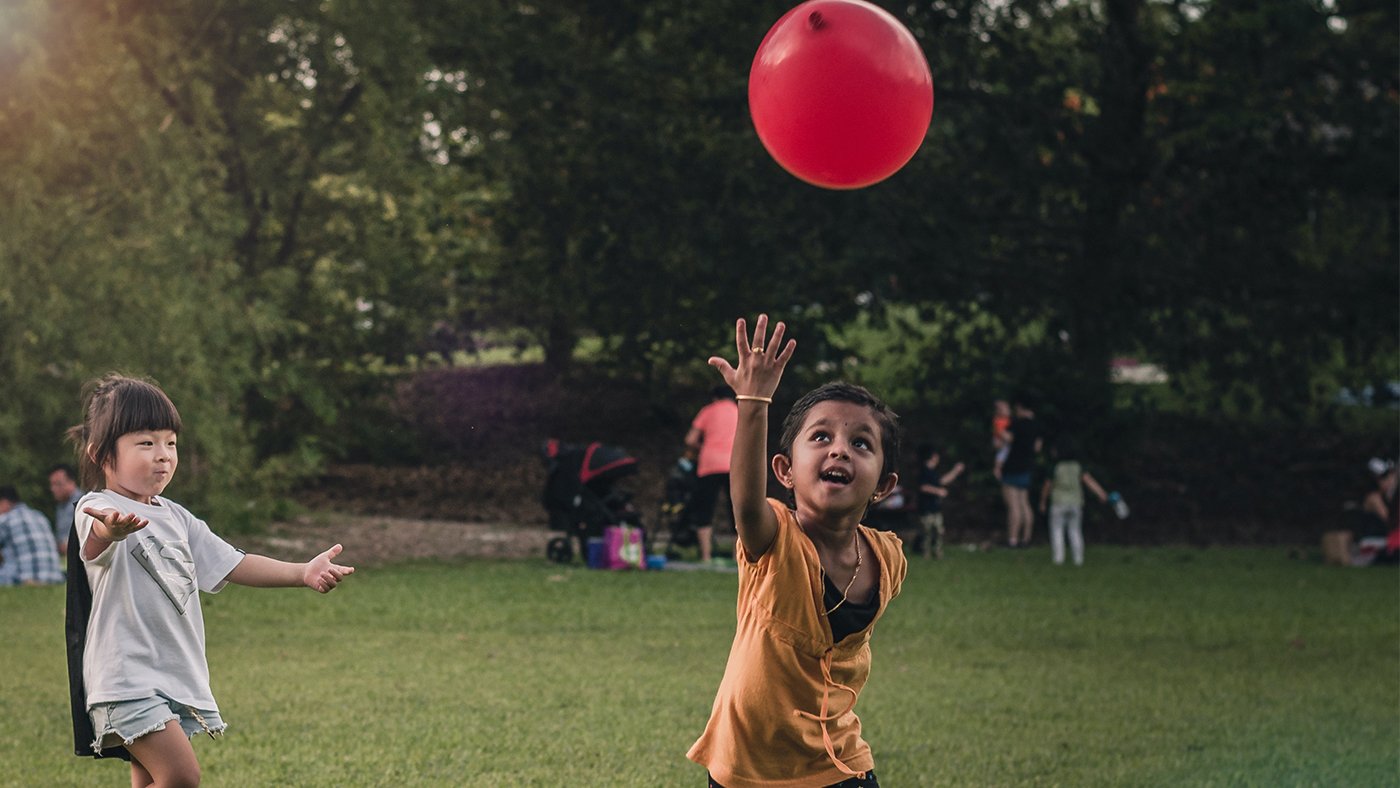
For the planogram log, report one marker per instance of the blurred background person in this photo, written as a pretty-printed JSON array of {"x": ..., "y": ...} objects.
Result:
[
  {"x": 63, "y": 483},
  {"x": 712, "y": 437},
  {"x": 26, "y": 544}
]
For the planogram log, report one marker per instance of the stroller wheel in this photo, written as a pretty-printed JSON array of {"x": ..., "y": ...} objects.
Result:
[{"x": 559, "y": 550}]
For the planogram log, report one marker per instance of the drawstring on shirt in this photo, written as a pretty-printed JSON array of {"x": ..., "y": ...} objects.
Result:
[{"x": 823, "y": 717}]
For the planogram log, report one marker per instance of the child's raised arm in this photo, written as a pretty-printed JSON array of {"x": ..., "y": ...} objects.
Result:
[
  {"x": 953, "y": 474},
  {"x": 263, "y": 572},
  {"x": 760, "y": 368}
]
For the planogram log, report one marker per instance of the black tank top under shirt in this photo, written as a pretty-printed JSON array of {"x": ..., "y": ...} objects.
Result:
[{"x": 852, "y": 616}]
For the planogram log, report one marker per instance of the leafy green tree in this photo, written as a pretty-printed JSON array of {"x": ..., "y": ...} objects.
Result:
[
  {"x": 1274, "y": 200},
  {"x": 233, "y": 199}
]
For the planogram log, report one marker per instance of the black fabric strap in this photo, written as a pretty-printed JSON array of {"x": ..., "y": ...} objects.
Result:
[{"x": 75, "y": 623}]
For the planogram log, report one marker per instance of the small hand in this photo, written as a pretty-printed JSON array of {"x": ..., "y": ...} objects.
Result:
[
  {"x": 322, "y": 575},
  {"x": 760, "y": 365},
  {"x": 114, "y": 526}
]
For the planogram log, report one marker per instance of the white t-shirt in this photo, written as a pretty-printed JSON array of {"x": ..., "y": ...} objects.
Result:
[{"x": 146, "y": 631}]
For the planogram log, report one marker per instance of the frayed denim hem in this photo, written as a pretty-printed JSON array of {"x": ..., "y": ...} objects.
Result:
[
  {"x": 97, "y": 743},
  {"x": 112, "y": 722}
]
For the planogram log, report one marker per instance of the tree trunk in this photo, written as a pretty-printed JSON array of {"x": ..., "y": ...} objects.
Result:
[{"x": 1109, "y": 305}]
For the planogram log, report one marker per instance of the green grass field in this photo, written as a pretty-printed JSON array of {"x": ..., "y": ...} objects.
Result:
[{"x": 1145, "y": 667}]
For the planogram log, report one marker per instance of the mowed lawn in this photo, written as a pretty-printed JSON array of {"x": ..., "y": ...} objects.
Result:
[{"x": 1145, "y": 667}]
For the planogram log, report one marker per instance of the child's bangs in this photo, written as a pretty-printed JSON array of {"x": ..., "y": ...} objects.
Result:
[{"x": 141, "y": 407}]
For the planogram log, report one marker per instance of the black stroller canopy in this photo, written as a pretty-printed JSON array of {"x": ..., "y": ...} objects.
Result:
[
  {"x": 605, "y": 463},
  {"x": 572, "y": 466}
]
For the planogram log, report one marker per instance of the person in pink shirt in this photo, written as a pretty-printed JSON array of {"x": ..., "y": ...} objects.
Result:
[{"x": 712, "y": 436}]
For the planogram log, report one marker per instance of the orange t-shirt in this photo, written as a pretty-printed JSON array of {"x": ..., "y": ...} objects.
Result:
[
  {"x": 785, "y": 711},
  {"x": 1000, "y": 424},
  {"x": 716, "y": 423}
]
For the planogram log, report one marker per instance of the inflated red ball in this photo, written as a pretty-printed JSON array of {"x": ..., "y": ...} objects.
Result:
[{"x": 840, "y": 93}]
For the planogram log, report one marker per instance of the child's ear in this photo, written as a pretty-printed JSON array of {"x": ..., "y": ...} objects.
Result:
[
  {"x": 886, "y": 485},
  {"x": 782, "y": 468}
]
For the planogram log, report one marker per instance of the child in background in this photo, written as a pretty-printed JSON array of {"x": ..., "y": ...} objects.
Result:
[
  {"x": 933, "y": 488},
  {"x": 137, "y": 562},
  {"x": 1065, "y": 496},
  {"x": 812, "y": 581},
  {"x": 1001, "y": 434}
]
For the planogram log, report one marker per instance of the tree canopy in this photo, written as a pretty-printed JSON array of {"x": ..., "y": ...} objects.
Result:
[{"x": 263, "y": 204}]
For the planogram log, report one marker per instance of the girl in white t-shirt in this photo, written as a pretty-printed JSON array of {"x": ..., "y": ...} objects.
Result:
[{"x": 137, "y": 563}]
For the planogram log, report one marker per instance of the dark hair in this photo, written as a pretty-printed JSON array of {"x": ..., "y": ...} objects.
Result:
[
  {"x": 1066, "y": 447},
  {"x": 117, "y": 405},
  {"x": 67, "y": 470},
  {"x": 721, "y": 392},
  {"x": 845, "y": 392},
  {"x": 927, "y": 450},
  {"x": 8, "y": 493}
]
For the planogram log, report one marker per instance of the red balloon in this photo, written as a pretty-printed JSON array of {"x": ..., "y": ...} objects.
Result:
[{"x": 840, "y": 93}]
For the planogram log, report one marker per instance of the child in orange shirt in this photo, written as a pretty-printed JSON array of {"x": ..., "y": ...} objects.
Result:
[
  {"x": 1001, "y": 433},
  {"x": 812, "y": 580}
]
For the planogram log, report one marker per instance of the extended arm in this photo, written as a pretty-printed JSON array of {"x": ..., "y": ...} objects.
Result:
[
  {"x": 108, "y": 526},
  {"x": 1095, "y": 487},
  {"x": 760, "y": 368},
  {"x": 952, "y": 475},
  {"x": 263, "y": 572}
]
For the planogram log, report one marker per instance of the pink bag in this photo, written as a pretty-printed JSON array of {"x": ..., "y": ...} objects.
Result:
[{"x": 623, "y": 547}]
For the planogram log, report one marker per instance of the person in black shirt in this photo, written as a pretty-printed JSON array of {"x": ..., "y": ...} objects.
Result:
[
  {"x": 933, "y": 488},
  {"x": 1015, "y": 474}
]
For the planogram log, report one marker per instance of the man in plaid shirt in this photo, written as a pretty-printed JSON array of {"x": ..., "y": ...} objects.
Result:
[{"x": 26, "y": 544}]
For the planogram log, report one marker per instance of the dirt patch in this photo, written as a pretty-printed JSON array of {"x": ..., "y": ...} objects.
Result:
[{"x": 371, "y": 540}]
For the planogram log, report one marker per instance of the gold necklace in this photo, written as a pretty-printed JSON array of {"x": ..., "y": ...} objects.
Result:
[{"x": 854, "y": 575}]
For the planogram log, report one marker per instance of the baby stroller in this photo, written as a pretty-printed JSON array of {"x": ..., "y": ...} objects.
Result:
[
  {"x": 581, "y": 496},
  {"x": 675, "y": 521}
]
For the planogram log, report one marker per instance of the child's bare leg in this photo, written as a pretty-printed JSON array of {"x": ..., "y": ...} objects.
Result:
[
  {"x": 140, "y": 778},
  {"x": 166, "y": 757},
  {"x": 705, "y": 535}
]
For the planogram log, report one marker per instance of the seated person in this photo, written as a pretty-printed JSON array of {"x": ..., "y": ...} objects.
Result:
[
  {"x": 26, "y": 543},
  {"x": 1382, "y": 513}
]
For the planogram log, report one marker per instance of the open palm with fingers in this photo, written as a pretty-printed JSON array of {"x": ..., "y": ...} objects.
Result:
[
  {"x": 322, "y": 575},
  {"x": 115, "y": 526},
  {"x": 761, "y": 363}
]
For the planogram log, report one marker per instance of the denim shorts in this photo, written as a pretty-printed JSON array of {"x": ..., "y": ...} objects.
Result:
[
  {"x": 122, "y": 722},
  {"x": 1021, "y": 481}
]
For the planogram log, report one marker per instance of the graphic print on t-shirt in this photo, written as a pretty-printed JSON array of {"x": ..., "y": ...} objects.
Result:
[{"x": 170, "y": 565}]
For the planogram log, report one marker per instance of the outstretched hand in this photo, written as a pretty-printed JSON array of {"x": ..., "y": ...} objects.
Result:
[
  {"x": 113, "y": 525},
  {"x": 322, "y": 575},
  {"x": 760, "y": 365}
]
